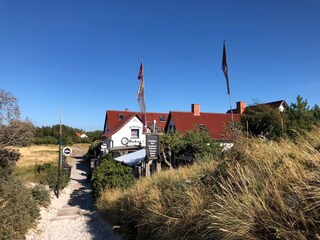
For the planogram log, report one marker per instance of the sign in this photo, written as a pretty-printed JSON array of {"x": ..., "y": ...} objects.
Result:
[
  {"x": 67, "y": 151},
  {"x": 152, "y": 146},
  {"x": 124, "y": 141}
]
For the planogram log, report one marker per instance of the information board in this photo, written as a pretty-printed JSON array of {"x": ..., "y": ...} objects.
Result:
[{"x": 152, "y": 146}]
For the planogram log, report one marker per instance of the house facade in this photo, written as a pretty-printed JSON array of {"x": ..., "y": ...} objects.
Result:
[{"x": 125, "y": 128}]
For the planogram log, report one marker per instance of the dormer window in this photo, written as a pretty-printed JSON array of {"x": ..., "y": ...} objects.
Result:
[
  {"x": 162, "y": 118},
  {"x": 120, "y": 116}
]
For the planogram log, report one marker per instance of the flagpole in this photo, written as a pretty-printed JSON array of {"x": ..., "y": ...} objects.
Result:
[
  {"x": 231, "y": 111},
  {"x": 141, "y": 97},
  {"x": 144, "y": 100},
  {"x": 226, "y": 74}
]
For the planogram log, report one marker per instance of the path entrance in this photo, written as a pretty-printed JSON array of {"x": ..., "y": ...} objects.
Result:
[{"x": 72, "y": 216}]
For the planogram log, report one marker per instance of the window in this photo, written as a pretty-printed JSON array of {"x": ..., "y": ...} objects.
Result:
[
  {"x": 134, "y": 133},
  {"x": 162, "y": 118},
  {"x": 202, "y": 127},
  {"x": 120, "y": 116}
]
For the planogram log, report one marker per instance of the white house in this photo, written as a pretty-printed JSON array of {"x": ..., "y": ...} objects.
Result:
[{"x": 124, "y": 128}]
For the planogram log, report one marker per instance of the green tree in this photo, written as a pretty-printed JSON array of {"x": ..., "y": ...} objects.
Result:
[
  {"x": 263, "y": 120},
  {"x": 300, "y": 117}
]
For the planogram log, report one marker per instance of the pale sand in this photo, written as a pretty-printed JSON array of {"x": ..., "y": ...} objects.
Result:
[{"x": 72, "y": 215}]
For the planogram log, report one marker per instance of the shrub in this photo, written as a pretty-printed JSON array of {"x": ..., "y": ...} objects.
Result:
[
  {"x": 263, "y": 120},
  {"x": 111, "y": 174},
  {"x": 8, "y": 160},
  {"x": 197, "y": 142},
  {"x": 18, "y": 210},
  {"x": 41, "y": 195},
  {"x": 47, "y": 174}
]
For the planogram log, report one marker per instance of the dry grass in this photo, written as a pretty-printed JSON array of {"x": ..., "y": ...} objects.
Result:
[
  {"x": 33, "y": 155},
  {"x": 262, "y": 190}
]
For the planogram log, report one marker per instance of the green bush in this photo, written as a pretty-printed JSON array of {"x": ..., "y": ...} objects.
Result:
[
  {"x": 45, "y": 140},
  {"x": 111, "y": 174},
  {"x": 197, "y": 142},
  {"x": 47, "y": 174},
  {"x": 18, "y": 210},
  {"x": 94, "y": 148},
  {"x": 41, "y": 195}
]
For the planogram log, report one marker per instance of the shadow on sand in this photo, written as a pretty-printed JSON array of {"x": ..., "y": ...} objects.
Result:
[{"x": 81, "y": 198}]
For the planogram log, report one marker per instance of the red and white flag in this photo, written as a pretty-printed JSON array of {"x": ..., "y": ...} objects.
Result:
[{"x": 140, "y": 97}]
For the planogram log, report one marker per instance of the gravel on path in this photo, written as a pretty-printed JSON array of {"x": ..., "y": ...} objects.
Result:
[{"x": 72, "y": 215}]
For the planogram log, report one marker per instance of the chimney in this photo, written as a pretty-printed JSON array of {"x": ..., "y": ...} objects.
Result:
[
  {"x": 126, "y": 110},
  {"x": 195, "y": 108},
  {"x": 241, "y": 106}
]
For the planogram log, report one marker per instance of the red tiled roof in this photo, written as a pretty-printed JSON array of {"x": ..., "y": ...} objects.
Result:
[
  {"x": 112, "y": 117},
  {"x": 119, "y": 125},
  {"x": 215, "y": 123}
]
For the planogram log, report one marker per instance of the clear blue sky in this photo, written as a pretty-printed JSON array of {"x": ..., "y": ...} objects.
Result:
[{"x": 83, "y": 57}]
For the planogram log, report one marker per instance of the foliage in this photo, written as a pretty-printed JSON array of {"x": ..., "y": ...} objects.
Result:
[
  {"x": 18, "y": 210},
  {"x": 8, "y": 159},
  {"x": 41, "y": 195},
  {"x": 47, "y": 174},
  {"x": 263, "y": 120},
  {"x": 13, "y": 131},
  {"x": 264, "y": 190},
  {"x": 9, "y": 108},
  {"x": 197, "y": 142},
  {"x": 94, "y": 135},
  {"x": 296, "y": 119},
  {"x": 111, "y": 174},
  {"x": 300, "y": 117},
  {"x": 50, "y": 135}
]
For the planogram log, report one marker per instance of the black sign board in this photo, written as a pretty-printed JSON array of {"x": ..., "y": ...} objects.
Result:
[{"x": 152, "y": 146}]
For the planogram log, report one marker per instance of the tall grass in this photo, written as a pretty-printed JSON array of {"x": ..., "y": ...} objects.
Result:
[
  {"x": 37, "y": 154},
  {"x": 260, "y": 190}
]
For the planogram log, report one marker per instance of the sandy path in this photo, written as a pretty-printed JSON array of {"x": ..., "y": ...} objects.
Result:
[{"x": 72, "y": 216}]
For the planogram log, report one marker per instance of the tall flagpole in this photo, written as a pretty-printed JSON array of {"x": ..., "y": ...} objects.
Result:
[
  {"x": 141, "y": 96},
  {"x": 226, "y": 74}
]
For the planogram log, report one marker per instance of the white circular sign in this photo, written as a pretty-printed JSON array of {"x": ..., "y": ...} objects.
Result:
[{"x": 67, "y": 151}]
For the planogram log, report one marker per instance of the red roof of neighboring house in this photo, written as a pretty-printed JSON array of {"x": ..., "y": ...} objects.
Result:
[
  {"x": 274, "y": 105},
  {"x": 215, "y": 123},
  {"x": 112, "y": 118}
]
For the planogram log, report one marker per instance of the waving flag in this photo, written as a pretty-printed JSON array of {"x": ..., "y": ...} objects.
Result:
[
  {"x": 140, "y": 96},
  {"x": 225, "y": 66}
]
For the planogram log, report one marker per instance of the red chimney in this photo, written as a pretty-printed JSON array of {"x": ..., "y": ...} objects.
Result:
[
  {"x": 195, "y": 108},
  {"x": 241, "y": 106}
]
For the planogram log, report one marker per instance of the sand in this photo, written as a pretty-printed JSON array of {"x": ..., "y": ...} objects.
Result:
[{"x": 72, "y": 215}]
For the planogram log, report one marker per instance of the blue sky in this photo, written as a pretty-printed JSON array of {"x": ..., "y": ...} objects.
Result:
[{"x": 82, "y": 57}]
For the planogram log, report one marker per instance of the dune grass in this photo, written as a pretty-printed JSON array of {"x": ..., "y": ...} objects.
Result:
[
  {"x": 260, "y": 190},
  {"x": 37, "y": 154}
]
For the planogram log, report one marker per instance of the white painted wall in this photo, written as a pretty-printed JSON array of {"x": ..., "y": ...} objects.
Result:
[{"x": 125, "y": 132}]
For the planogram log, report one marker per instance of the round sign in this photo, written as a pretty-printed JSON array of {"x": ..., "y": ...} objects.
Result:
[
  {"x": 67, "y": 151},
  {"x": 124, "y": 141}
]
